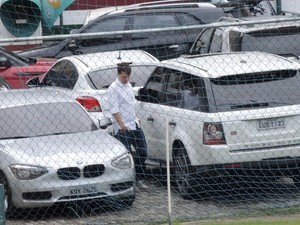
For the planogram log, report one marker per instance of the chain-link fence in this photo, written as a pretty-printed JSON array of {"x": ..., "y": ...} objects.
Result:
[{"x": 219, "y": 116}]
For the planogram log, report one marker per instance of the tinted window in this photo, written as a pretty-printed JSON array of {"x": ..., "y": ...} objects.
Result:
[
  {"x": 216, "y": 43},
  {"x": 149, "y": 21},
  {"x": 63, "y": 74},
  {"x": 101, "y": 79},
  {"x": 188, "y": 20},
  {"x": 282, "y": 41},
  {"x": 175, "y": 88},
  {"x": 203, "y": 43},
  {"x": 152, "y": 21},
  {"x": 269, "y": 89},
  {"x": 44, "y": 119},
  {"x": 106, "y": 25}
]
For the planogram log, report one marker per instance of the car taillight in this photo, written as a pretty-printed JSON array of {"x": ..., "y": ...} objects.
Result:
[
  {"x": 213, "y": 134},
  {"x": 90, "y": 103}
]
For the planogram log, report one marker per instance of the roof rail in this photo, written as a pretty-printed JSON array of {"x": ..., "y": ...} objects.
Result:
[
  {"x": 230, "y": 19},
  {"x": 169, "y": 6},
  {"x": 166, "y": 2}
]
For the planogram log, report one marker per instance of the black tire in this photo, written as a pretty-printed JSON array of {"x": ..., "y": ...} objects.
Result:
[
  {"x": 183, "y": 175},
  {"x": 9, "y": 207}
]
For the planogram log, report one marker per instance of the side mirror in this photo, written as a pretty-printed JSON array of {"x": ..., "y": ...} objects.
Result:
[
  {"x": 5, "y": 62},
  {"x": 33, "y": 82},
  {"x": 72, "y": 44}
]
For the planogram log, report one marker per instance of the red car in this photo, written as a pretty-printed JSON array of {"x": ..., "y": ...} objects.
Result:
[{"x": 17, "y": 70}]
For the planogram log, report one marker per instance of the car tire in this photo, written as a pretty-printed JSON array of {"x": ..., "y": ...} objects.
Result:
[
  {"x": 9, "y": 207},
  {"x": 183, "y": 174}
]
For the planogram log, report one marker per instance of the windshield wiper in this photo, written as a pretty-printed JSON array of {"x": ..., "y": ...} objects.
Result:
[
  {"x": 16, "y": 137},
  {"x": 289, "y": 55},
  {"x": 250, "y": 105}
]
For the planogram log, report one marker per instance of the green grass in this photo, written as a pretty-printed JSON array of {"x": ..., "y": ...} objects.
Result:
[
  {"x": 274, "y": 216},
  {"x": 255, "y": 222}
]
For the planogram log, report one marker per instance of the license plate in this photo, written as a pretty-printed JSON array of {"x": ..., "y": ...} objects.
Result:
[
  {"x": 83, "y": 190},
  {"x": 271, "y": 123}
]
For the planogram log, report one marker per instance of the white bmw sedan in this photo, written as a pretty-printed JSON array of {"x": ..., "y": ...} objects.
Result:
[{"x": 51, "y": 152}]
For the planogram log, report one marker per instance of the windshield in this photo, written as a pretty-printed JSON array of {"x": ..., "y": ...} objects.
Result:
[
  {"x": 44, "y": 119},
  {"x": 256, "y": 90},
  {"x": 282, "y": 41},
  {"x": 101, "y": 79},
  {"x": 14, "y": 56}
]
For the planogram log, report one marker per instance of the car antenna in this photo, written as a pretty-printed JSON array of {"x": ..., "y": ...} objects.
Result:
[
  {"x": 116, "y": 5},
  {"x": 119, "y": 57}
]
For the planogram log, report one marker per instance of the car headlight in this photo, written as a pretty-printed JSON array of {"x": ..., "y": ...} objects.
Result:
[
  {"x": 27, "y": 172},
  {"x": 123, "y": 162}
]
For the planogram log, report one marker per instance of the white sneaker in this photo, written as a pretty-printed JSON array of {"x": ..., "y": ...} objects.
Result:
[{"x": 140, "y": 184}]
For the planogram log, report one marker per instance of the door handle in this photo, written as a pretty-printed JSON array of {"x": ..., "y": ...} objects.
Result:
[
  {"x": 174, "y": 47},
  {"x": 150, "y": 119},
  {"x": 172, "y": 123}
]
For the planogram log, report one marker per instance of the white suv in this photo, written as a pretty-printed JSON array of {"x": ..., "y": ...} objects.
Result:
[
  {"x": 282, "y": 38},
  {"x": 225, "y": 115}
]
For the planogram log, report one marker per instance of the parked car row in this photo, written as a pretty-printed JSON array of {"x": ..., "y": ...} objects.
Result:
[{"x": 224, "y": 109}]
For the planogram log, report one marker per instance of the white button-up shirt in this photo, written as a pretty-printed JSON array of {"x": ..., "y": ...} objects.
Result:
[{"x": 121, "y": 99}]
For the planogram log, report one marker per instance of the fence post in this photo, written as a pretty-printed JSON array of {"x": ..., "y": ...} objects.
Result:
[
  {"x": 2, "y": 213},
  {"x": 168, "y": 172}
]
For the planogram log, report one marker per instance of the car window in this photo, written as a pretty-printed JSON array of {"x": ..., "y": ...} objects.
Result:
[
  {"x": 283, "y": 41},
  {"x": 152, "y": 21},
  {"x": 101, "y": 79},
  {"x": 188, "y": 20},
  {"x": 216, "y": 43},
  {"x": 173, "y": 88},
  {"x": 56, "y": 117},
  {"x": 154, "y": 90},
  {"x": 63, "y": 74},
  {"x": 105, "y": 25},
  {"x": 202, "y": 45},
  {"x": 185, "y": 91},
  {"x": 235, "y": 38},
  {"x": 149, "y": 21},
  {"x": 255, "y": 90}
]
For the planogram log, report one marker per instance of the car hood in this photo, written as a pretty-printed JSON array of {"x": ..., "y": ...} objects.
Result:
[{"x": 63, "y": 150}]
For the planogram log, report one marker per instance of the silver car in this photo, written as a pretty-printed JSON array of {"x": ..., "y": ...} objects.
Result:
[{"x": 51, "y": 151}]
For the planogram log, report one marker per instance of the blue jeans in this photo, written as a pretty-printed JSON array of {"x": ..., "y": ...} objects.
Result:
[{"x": 136, "y": 138}]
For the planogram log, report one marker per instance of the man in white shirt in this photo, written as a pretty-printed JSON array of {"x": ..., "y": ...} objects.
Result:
[{"x": 126, "y": 125}]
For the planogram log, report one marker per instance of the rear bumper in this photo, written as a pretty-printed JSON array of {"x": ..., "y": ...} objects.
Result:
[{"x": 276, "y": 167}]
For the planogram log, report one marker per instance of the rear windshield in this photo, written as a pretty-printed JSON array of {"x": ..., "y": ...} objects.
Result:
[
  {"x": 101, "y": 79},
  {"x": 44, "y": 119},
  {"x": 282, "y": 41},
  {"x": 255, "y": 90}
]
